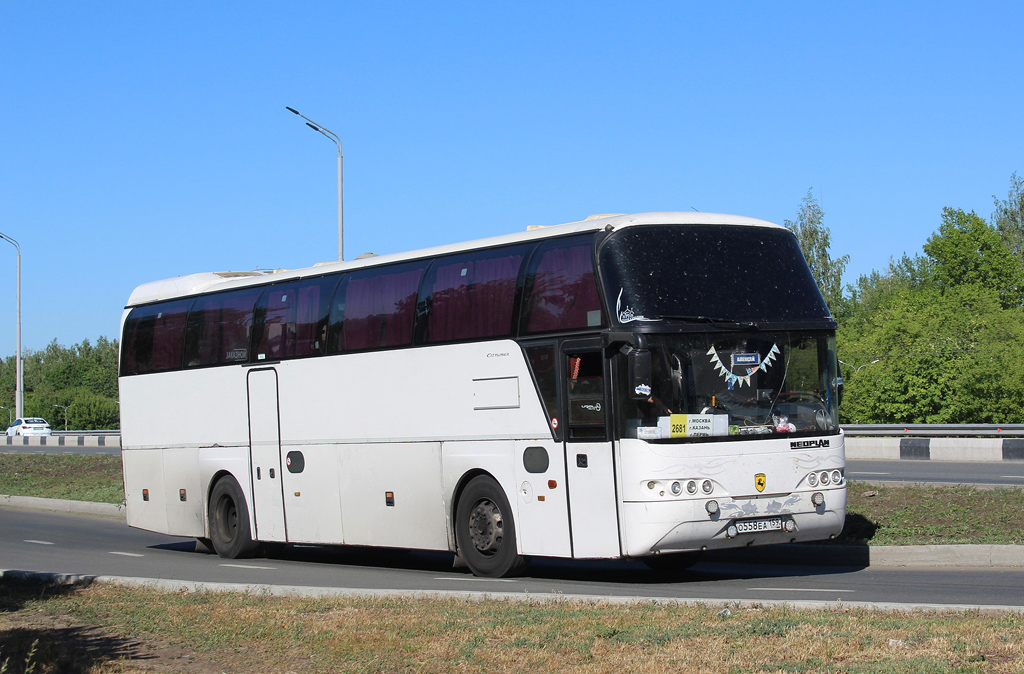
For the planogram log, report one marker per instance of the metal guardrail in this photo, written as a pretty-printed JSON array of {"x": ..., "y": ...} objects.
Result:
[
  {"x": 105, "y": 432},
  {"x": 935, "y": 430}
]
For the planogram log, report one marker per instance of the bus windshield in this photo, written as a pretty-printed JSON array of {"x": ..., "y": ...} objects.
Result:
[
  {"x": 734, "y": 385},
  {"x": 708, "y": 273}
]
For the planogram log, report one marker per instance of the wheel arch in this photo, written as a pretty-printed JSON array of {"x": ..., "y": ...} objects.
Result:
[
  {"x": 217, "y": 477},
  {"x": 460, "y": 487}
]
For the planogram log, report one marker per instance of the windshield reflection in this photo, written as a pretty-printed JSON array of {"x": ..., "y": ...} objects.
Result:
[{"x": 734, "y": 386}]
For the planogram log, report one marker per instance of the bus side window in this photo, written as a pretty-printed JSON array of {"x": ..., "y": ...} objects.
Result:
[
  {"x": 375, "y": 308},
  {"x": 561, "y": 291},
  {"x": 153, "y": 338},
  {"x": 218, "y": 328},
  {"x": 585, "y": 389},
  {"x": 543, "y": 362}
]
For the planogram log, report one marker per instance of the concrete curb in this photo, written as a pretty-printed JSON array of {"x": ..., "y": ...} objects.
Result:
[
  {"x": 167, "y": 585},
  {"x": 805, "y": 554},
  {"x": 811, "y": 554}
]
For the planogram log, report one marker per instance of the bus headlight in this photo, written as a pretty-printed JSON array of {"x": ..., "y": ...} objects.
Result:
[
  {"x": 824, "y": 478},
  {"x": 818, "y": 499},
  {"x": 812, "y": 479},
  {"x": 837, "y": 477},
  {"x": 711, "y": 507},
  {"x": 789, "y": 526},
  {"x": 707, "y": 486},
  {"x": 691, "y": 487},
  {"x": 677, "y": 489},
  {"x": 731, "y": 531}
]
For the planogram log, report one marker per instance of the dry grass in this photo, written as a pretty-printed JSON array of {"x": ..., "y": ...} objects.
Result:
[{"x": 146, "y": 630}]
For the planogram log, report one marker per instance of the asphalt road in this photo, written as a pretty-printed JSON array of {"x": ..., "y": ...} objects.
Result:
[
  {"x": 92, "y": 545},
  {"x": 952, "y": 472}
]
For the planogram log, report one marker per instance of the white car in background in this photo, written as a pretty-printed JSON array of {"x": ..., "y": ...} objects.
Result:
[{"x": 29, "y": 426}]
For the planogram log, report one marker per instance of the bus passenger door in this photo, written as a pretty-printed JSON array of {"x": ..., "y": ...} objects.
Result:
[
  {"x": 265, "y": 455},
  {"x": 590, "y": 463}
]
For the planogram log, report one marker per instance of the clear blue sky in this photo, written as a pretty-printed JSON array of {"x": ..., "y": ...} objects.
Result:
[{"x": 144, "y": 140}]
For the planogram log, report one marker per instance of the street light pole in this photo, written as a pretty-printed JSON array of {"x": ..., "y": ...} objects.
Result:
[
  {"x": 858, "y": 369},
  {"x": 65, "y": 408},
  {"x": 334, "y": 138},
  {"x": 19, "y": 386}
]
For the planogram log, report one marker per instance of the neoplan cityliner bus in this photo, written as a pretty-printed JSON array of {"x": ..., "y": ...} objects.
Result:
[{"x": 647, "y": 386}]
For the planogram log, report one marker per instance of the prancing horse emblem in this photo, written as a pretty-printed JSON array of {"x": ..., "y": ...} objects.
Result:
[{"x": 760, "y": 480}]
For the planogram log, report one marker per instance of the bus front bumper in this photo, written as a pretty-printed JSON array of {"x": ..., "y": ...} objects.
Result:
[{"x": 651, "y": 527}]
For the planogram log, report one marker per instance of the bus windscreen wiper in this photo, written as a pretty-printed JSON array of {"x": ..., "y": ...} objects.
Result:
[{"x": 713, "y": 320}]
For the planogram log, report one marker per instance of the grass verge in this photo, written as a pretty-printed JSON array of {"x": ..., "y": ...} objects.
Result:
[
  {"x": 925, "y": 514},
  {"x": 78, "y": 477},
  {"x": 105, "y": 628}
]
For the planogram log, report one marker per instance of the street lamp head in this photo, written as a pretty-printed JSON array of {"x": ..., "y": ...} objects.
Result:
[
  {"x": 292, "y": 110},
  {"x": 313, "y": 126}
]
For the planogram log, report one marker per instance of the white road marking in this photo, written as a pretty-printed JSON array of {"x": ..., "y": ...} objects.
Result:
[
  {"x": 29, "y": 540},
  {"x": 250, "y": 566},
  {"x": 127, "y": 554},
  {"x": 482, "y": 580},
  {"x": 864, "y": 472},
  {"x": 1013, "y": 477},
  {"x": 795, "y": 589}
]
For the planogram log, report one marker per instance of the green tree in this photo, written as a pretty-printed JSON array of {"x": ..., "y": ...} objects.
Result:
[
  {"x": 815, "y": 239},
  {"x": 937, "y": 356},
  {"x": 1008, "y": 218},
  {"x": 967, "y": 250},
  {"x": 82, "y": 377},
  {"x": 876, "y": 290},
  {"x": 935, "y": 338}
]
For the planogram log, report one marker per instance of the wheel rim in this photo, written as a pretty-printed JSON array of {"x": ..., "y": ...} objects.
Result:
[
  {"x": 486, "y": 527},
  {"x": 228, "y": 517}
]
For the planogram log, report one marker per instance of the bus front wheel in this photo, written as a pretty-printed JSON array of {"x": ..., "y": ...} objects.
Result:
[
  {"x": 484, "y": 530},
  {"x": 229, "y": 521}
]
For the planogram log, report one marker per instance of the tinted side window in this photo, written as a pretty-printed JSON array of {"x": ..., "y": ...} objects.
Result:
[
  {"x": 153, "y": 337},
  {"x": 375, "y": 308},
  {"x": 291, "y": 319},
  {"x": 562, "y": 292},
  {"x": 219, "y": 327},
  {"x": 473, "y": 295},
  {"x": 544, "y": 364}
]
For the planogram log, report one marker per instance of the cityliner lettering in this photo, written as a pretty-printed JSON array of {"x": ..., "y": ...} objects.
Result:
[{"x": 808, "y": 444}]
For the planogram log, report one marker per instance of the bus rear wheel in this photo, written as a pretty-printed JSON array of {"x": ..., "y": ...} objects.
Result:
[
  {"x": 229, "y": 521},
  {"x": 485, "y": 531}
]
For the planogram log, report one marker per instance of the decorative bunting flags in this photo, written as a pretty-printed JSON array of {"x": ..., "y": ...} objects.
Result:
[{"x": 733, "y": 379}]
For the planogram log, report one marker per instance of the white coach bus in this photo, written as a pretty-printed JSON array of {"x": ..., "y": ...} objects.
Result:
[{"x": 645, "y": 386}]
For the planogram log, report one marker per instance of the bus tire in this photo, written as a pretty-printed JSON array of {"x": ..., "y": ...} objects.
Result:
[
  {"x": 485, "y": 531},
  {"x": 229, "y": 521}
]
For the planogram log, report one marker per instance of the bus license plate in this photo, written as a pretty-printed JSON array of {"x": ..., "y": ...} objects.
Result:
[{"x": 754, "y": 526}]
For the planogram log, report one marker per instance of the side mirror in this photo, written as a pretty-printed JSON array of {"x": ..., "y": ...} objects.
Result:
[
  {"x": 638, "y": 371},
  {"x": 839, "y": 392}
]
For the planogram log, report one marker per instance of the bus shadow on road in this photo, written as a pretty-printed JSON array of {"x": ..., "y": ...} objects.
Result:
[{"x": 770, "y": 561}]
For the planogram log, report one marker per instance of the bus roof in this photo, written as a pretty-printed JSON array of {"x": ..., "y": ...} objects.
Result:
[{"x": 192, "y": 284}]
